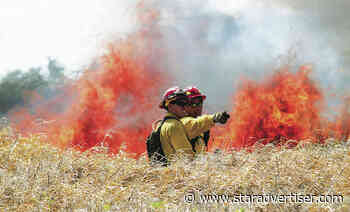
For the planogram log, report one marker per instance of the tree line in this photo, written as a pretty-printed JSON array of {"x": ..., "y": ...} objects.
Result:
[{"x": 17, "y": 85}]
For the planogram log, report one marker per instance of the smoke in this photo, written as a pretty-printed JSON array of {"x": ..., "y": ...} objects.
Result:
[
  {"x": 329, "y": 20},
  {"x": 213, "y": 44}
]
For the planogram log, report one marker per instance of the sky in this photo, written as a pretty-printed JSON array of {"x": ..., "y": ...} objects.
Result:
[{"x": 73, "y": 31}]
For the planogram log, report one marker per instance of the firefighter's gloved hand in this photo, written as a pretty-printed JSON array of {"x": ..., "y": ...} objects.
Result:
[{"x": 221, "y": 117}]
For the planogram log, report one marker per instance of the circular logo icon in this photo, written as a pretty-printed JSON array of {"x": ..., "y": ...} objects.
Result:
[{"x": 189, "y": 197}]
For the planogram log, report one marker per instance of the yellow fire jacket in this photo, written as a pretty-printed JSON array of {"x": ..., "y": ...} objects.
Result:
[
  {"x": 196, "y": 127},
  {"x": 174, "y": 139},
  {"x": 175, "y": 136}
]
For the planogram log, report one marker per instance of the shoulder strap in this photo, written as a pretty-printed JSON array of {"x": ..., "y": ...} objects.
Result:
[
  {"x": 164, "y": 119},
  {"x": 171, "y": 117}
]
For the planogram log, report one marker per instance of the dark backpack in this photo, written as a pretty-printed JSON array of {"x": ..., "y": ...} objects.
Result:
[{"x": 154, "y": 147}]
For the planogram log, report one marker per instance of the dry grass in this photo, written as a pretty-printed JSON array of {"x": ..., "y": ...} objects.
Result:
[{"x": 38, "y": 177}]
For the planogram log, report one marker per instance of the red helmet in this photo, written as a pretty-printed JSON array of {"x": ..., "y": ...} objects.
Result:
[
  {"x": 170, "y": 95},
  {"x": 192, "y": 92}
]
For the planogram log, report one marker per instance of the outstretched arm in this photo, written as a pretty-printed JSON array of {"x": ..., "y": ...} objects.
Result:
[{"x": 196, "y": 126}]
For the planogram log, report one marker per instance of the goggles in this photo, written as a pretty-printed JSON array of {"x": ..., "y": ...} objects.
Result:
[
  {"x": 195, "y": 104},
  {"x": 179, "y": 102}
]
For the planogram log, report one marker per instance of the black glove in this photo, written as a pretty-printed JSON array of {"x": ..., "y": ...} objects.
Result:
[{"x": 221, "y": 117}]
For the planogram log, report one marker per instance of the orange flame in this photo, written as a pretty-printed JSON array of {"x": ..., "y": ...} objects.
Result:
[{"x": 285, "y": 105}]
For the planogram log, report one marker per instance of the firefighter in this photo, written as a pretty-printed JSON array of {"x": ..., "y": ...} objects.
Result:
[
  {"x": 173, "y": 137},
  {"x": 195, "y": 109},
  {"x": 196, "y": 124}
]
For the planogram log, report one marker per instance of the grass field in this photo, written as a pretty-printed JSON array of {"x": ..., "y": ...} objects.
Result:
[{"x": 39, "y": 177}]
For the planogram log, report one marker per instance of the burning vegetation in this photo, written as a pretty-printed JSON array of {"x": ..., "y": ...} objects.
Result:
[
  {"x": 115, "y": 105},
  {"x": 283, "y": 106},
  {"x": 112, "y": 105}
]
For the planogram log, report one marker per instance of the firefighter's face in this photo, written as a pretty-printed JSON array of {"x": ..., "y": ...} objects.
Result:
[
  {"x": 177, "y": 108},
  {"x": 195, "y": 107}
]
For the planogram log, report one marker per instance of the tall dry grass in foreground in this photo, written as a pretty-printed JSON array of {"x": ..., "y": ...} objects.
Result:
[{"x": 38, "y": 177}]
